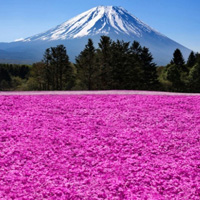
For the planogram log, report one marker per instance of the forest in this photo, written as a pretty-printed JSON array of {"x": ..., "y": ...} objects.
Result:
[{"x": 114, "y": 65}]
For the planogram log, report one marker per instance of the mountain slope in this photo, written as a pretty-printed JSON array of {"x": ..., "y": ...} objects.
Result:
[
  {"x": 112, "y": 21},
  {"x": 99, "y": 20}
]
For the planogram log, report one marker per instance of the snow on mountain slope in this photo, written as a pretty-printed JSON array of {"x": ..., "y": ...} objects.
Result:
[
  {"x": 112, "y": 21},
  {"x": 98, "y": 20}
]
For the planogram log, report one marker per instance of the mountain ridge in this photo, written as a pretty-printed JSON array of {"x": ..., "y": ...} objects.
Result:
[
  {"x": 115, "y": 22},
  {"x": 86, "y": 24}
]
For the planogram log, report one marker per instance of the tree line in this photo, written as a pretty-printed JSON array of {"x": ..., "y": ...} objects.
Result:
[
  {"x": 12, "y": 76},
  {"x": 181, "y": 76},
  {"x": 114, "y": 65}
]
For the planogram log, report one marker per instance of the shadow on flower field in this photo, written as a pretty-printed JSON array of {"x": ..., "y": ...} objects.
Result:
[{"x": 95, "y": 147}]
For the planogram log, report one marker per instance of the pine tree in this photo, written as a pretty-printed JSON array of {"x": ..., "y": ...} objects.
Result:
[
  {"x": 191, "y": 60},
  {"x": 104, "y": 58},
  {"x": 197, "y": 56},
  {"x": 136, "y": 48},
  {"x": 86, "y": 66},
  {"x": 57, "y": 67},
  {"x": 48, "y": 70},
  {"x": 134, "y": 78},
  {"x": 178, "y": 60},
  {"x": 120, "y": 64},
  {"x": 60, "y": 62},
  {"x": 149, "y": 74}
]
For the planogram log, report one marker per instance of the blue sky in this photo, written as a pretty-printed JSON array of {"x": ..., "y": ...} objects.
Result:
[{"x": 177, "y": 19}]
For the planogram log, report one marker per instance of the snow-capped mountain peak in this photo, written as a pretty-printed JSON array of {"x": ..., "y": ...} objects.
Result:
[
  {"x": 98, "y": 20},
  {"x": 113, "y": 21}
]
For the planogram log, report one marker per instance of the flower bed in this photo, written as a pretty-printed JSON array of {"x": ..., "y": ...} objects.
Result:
[{"x": 99, "y": 147}]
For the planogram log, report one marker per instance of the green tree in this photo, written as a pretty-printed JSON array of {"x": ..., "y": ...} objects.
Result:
[
  {"x": 174, "y": 76},
  {"x": 60, "y": 63},
  {"x": 191, "y": 60},
  {"x": 4, "y": 74},
  {"x": 57, "y": 67},
  {"x": 120, "y": 64},
  {"x": 5, "y": 78},
  {"x": 135, "y": 71},
  {"x": 86, "y": 66},
  {"x": 37, "y": 74},
  {"x": 180, "y": 70},
  {"x": 197, "y": 55},
  {"x": 104, "y": 62},
  {"x": 17, "y": 83},
  {"x": 48, "y": 72},
  {"x": 149, "y": 72},
  {"x": 194, "y": 78},
  {"x": 178, "y": 60},
  {"x": 136, "y": 49},
  {"x": 4, "y": 85}
]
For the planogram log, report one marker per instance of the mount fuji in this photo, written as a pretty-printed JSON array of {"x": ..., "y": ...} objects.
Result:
[{"x": 112, "y": 21}]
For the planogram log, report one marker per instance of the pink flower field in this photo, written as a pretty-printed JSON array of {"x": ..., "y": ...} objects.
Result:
[{"x": 92, "y": 147}]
